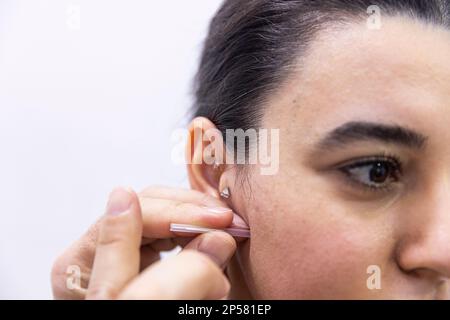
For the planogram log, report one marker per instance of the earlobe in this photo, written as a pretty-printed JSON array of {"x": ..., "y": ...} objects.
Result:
[{"x": 204, "y": 156}]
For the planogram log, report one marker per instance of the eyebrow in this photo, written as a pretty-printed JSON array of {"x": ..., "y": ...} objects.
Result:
[{"x": 365, "y": 131}]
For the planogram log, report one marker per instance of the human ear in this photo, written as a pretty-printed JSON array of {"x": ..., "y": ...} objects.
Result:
[{"x": 205, "y": 156}]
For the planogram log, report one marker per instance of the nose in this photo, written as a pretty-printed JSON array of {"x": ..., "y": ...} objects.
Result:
[{"x": 424, "y": 248}]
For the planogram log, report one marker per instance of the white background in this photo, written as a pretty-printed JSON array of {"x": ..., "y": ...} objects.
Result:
[{"x": 90, "y": 93}]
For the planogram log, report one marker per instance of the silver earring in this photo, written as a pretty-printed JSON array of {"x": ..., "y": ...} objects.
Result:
[
  {"x": 225, "y": 193},
  {"x": 216, "y": 166}
]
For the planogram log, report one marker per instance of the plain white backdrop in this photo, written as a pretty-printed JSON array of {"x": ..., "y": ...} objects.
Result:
[{"x": 90, "y": 94}]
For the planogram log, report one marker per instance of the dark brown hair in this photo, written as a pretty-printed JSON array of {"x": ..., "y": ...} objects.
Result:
[{"x": 251, "y": 44}]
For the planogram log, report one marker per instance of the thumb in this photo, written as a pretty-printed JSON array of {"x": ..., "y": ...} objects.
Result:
[
  {"x": 117, "y": 253},
  {"x": 217, "y": 245}
]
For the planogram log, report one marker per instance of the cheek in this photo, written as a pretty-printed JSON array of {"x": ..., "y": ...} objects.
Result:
[{"x": 307, "y": 248}]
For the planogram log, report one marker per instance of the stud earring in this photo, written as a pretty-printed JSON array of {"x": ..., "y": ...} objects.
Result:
[{"x": 225, "y": 193}]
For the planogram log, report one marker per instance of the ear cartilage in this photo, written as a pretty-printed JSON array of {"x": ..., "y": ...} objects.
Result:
[{"x": 188, "y": 228}]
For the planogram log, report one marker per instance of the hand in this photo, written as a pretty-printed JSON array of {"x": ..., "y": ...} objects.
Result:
[{"x": 115, "y": 249}]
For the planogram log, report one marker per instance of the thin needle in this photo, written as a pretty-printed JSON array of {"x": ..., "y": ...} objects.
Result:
[{"x": 187, "y": 228}]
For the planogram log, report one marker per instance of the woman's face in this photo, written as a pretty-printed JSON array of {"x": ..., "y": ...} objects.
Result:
[{"x": 364, "y": 175}]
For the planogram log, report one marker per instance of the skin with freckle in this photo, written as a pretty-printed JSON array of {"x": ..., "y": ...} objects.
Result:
[{"x": 314, "y": 235}]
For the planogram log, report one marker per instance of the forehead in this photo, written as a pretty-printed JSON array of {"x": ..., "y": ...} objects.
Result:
[{"x": 399, "y": 73}]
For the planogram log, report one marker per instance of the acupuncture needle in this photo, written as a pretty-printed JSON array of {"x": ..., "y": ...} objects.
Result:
[{"x": 188, "y": 228}]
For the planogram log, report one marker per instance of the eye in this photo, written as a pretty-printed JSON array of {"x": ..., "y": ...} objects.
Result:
[{"x": 374, "y": 173}]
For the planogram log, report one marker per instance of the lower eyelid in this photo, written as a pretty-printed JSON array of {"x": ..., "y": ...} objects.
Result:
[{"x": 363, "y": 189}]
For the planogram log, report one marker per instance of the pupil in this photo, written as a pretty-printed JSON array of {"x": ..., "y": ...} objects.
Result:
[{"x": 379, "y": 173}]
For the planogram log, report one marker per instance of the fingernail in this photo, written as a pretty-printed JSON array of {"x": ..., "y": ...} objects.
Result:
[
  {"x": 217, "y": 249},
  {"x": 217, "y": 210},
  {"x": 119, "y": 202},
  {"x": 238, "y": 222}
]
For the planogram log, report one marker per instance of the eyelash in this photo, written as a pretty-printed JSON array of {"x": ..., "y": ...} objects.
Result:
[{"x": 392, "y": 161}]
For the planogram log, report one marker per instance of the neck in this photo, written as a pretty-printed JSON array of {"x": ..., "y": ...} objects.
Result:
[{"x": 239, "y": 289}]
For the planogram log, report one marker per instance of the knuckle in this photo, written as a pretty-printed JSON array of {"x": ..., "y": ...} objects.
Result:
[
  {"x": 110, "y": 239},
  {"x": 114, "y": 231}
]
